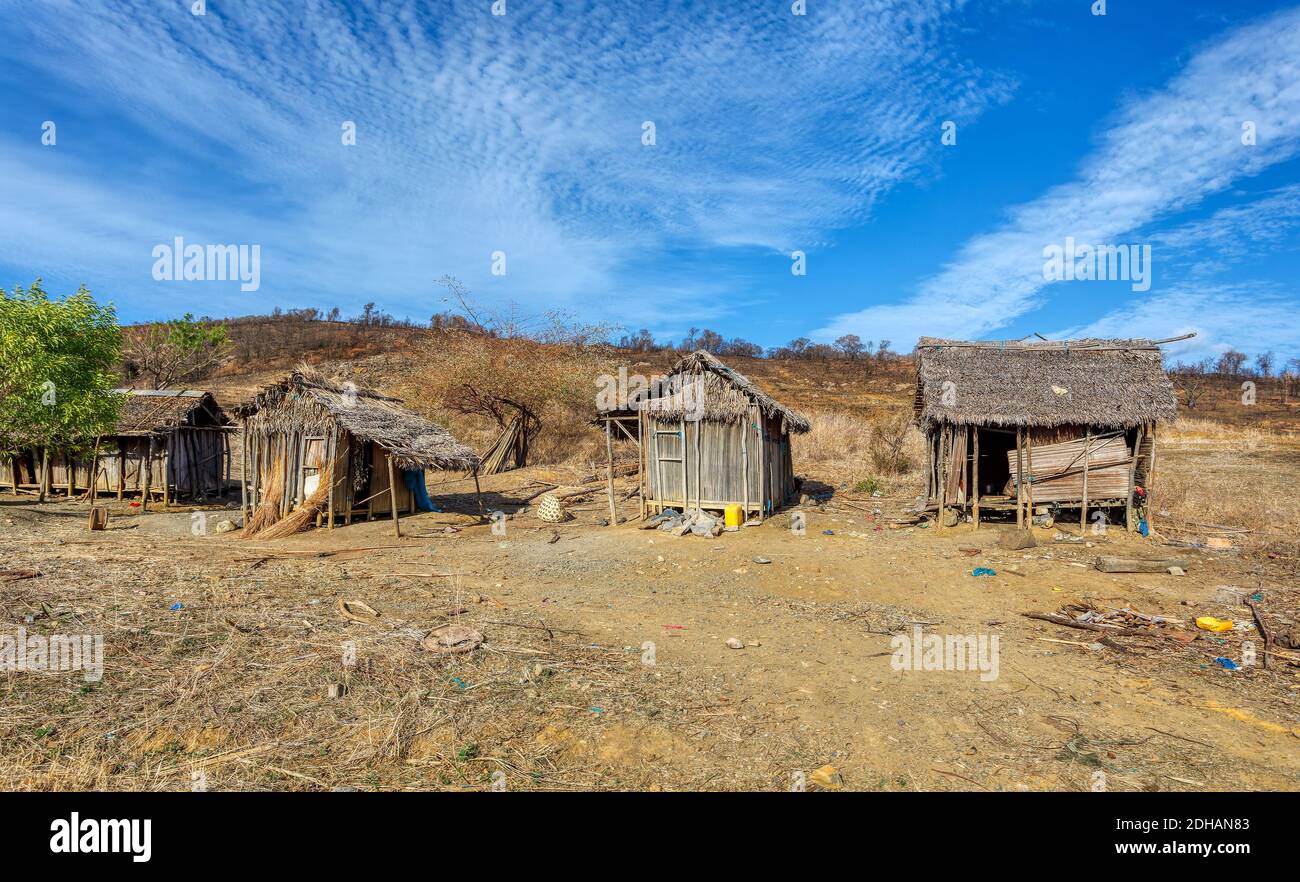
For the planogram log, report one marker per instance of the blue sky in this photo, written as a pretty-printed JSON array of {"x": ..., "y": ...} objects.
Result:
[{"x": 774, "y": 132}]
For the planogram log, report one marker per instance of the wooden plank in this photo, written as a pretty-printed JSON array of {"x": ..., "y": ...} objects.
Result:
[
  {"x": 975, "y": 477},
  {"x": 609, "y": 474},
  {"x": 392, "y": 497},
  {"x": 1020, "y": 478},
  {"x": 1083, "y": 508},
  {"x": 1128, "y": 493},
  {"x": 1113, "y": 564}
]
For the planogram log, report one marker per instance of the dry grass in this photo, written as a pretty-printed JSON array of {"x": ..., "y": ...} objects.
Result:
[
  {"x": 886, "y": 453},
  {"x": 1209, "y": 473},
  {"x": 233, "y": 686}
]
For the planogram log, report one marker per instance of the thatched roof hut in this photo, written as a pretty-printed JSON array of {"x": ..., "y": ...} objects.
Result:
[
  {"x": 708, "y": 438},
  {"x": 307, "y": 401},
  {"x": 167, "y": 443},
  {"x": 308, "y": 428},
  {"x": 1119, "y": 383},
  {"x": 1021, "y": 424}
]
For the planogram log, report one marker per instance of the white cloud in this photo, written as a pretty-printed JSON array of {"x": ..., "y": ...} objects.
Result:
[
  {"x": 478, "y": 133},
  {"x": 1163, "y": 153}
]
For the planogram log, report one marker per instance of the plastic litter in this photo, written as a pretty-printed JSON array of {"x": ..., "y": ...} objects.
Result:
[
  {"x": 1227, "y": 663},
  {"x": 1210, "y": 623},
  {"x": 983, "y": 571}
]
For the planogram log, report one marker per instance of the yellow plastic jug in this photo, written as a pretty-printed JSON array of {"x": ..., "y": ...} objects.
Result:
[{"x": 732, "y": 516}]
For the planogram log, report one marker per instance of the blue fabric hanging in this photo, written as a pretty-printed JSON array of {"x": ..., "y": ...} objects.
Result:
[{"x": 414, "y": 480}]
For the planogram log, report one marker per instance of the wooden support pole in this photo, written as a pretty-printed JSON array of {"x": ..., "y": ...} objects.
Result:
[
  {"x": 94, "y": 473},
  {"x": 942, "y": 473},
  {"x": 330, "y": 456},
  {"x": 1129, "y": 525},
  {"x": 392, "y": 496},
  {"x": 686, "y": 490},
  {"x": 975, "y": 477},
  {"x": 1151, "y": 470},
  {"x": 744, "y": 462},
  {"x": 1029, "y": 475},
  {"x": 42, "y": 483},
  {"x": 147, "y": 478},
  {"x": 609, "y": 474},
  {"x": 121, "y": 468},
  {"x": 1020, "y": 477},
  {"x": 478, "y": 494},
  {"x": 1083, "y": 508}
]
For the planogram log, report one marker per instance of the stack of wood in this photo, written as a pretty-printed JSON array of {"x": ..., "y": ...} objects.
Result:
[
  {"x": 1058, "y": 469},
  {"x": 509, "y": 450}
]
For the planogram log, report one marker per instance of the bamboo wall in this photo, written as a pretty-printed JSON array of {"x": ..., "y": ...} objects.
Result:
[
  {"x": 187, "y": 463},
  {"x": 359, "y": 489},
  {"x": 720, "y": 463}
]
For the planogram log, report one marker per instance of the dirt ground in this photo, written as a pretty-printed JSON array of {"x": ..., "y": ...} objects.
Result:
[{"x": 605, "y": 663}]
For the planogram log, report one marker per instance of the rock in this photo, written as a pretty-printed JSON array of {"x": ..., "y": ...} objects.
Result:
[
  {"x": 226, "y": 526},
  {"x": 1014, "y": 540},
  {"x": 735, "y": 643},
  {"x": 1177, "y": 571},
  {"x": 1217, "y": 542},
  {"x": 827, "y": 777},
  {"x": 762, "y": 560}
]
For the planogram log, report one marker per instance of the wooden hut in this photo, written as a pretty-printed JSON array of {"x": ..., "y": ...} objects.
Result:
[
  {"x": 293, "y": 429},
  {"x": 1014, "y": 425},
  {"x": 707, "y": 438},
  {"x": 168, "y": 444}
]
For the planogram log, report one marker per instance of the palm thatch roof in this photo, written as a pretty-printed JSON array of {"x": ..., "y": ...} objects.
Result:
[
  {"x": 157, "y": 411},
  {"x": 699, "y": 386},
  {"x": 309, "y": 402},
  {"x": 1115, "y": 383}
]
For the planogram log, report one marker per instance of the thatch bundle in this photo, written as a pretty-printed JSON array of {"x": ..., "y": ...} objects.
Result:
[{"x": 1112, "y": 383}]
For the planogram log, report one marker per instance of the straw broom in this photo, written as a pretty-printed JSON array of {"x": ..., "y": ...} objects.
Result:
[
  {"x": 304, "y": 515},
  {"x": 269, "y": 511}
]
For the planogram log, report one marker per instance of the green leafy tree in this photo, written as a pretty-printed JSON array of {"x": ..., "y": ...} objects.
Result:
[
  {"x": 174, "y": 351},
  {"x": 57, "y": 360}
]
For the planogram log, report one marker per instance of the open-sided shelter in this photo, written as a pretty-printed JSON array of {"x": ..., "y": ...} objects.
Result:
[
  {"x": 1014, "y": 425},
  {"x": 168, "y": 444}
]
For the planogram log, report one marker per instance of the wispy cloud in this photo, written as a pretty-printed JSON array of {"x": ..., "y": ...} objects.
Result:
[
  {"x": 475, "y": 133},
  {"x": 1162, "y": 153}
]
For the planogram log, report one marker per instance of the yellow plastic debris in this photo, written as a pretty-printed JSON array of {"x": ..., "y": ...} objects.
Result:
[
  {"x": 1210, "y": 623},
  {"x": 732, "y": 516}
]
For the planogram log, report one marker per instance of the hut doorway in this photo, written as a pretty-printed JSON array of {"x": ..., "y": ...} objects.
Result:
[{"x": 995, "y": 447}]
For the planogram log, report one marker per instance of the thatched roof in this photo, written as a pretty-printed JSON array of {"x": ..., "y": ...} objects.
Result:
[
  {"x": 1116, "y": 383},
  {"x": 157, "y": 411},
  {"x": 308, "y": 401},
  {"x": 724, "y": 393}
]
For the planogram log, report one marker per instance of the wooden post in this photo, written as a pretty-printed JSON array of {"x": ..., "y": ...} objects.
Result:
[
  {"x": 942, "y": 473},
  {"x": 45, "y": 474},
  {"x": 94, "y": 473},
  {"x": 609, "y": 474},
  {"x": 330, "y": 455},
  {"x": 762, "y": 465},
  {"x": 1151, "y": 470},
  {"x": 147, "y": 478},
  {"x": 686, "y": 490},
  {"x": 659, "y": 469},
  {"x": 699, "y": 484},
  {"x": 1132, "y": 473},
  {"x": 243, "y": 470},
  {"x": 478, "y": 494},
  {"x": 975, "y": 476},
  {"x": 121, "y": 468},
  {"x": 1083, "y": 508},
  {"x": 167, "y": 467},
  {"x": 392, "y": 497},
  {"x": 641, "y": 461},
  {"x": 744, "y": 460},
  {"x": 13, "y": 463},
  {"x": 1029, "y": 475},
  {"x": 1020, "y": 478}
]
